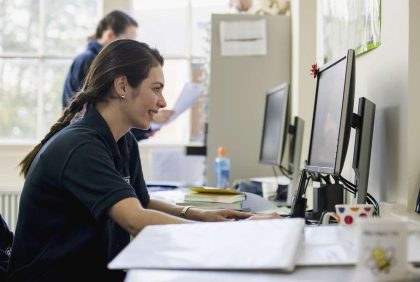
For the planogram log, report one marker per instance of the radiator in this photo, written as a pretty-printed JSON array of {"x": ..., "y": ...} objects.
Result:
[{"x": 9, "y": 206}]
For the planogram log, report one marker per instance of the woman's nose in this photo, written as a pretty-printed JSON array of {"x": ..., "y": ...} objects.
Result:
[{"x": 161, "y": 102}]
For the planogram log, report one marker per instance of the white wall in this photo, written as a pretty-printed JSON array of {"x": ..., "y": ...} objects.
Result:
[
  {"x": 303, "y": 56},
  {"x": 413, "y": 104},
  {"x": 110, "y": 5},
  {"x": 388, "y": 76},
  {"x": 382, "y": 77}
]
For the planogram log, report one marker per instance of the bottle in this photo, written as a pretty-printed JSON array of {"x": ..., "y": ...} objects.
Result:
[{"x": 222, "y": 168}]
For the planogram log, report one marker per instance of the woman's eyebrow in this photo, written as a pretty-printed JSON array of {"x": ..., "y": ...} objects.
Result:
[{"x": 158, "y": 83}]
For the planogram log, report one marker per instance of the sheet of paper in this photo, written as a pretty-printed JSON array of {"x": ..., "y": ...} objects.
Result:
[
  {"x": 243, "y": 38},
  {"x": 256, "y": 203}
]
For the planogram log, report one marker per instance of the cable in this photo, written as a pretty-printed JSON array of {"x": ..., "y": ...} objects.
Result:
[
  {"x": 326, "y": 178},
  {"x": 306, "y": 185},
  {"x": 369, "y": 198},
  {"x": 274, "y": 171},
  {"x": 284, "y": 171}
]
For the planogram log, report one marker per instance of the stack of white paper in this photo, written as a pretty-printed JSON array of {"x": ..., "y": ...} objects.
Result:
[{"x": 261, "y": 244}]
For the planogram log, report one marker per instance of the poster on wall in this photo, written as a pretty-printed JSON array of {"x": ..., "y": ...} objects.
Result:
[
  {"x": 349, "y": 24},
  {"x": 243, "y": 38}
]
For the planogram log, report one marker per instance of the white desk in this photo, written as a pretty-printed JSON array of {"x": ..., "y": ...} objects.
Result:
[
  {"x": 340, "y": 273},
  {"x": 333, "y": 274}
]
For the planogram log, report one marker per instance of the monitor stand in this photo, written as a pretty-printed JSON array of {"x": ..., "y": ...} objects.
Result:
[{"x": 325, "y": 198}]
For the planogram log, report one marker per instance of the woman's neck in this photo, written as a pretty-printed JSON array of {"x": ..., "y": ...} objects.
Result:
[{"x": 112, "y": 116}]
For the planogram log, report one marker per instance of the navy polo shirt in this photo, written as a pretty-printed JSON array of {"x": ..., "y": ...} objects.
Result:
[
  {"x": 63, "y": 230},
  {"x": 78, "y": 70}
]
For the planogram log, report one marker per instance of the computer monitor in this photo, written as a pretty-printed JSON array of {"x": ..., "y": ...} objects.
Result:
[
  {"x": 363, "y": 122},
  {"x": 331, "y": 123},
  {"x": 276, "y": 128}
]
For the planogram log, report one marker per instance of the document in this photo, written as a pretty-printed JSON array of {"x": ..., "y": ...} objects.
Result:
[
  {"x": 213, "y": 190},
  {"x": 243, "y": 38},
  {"x": 241, "y": 245},
  {"x": 186, "y": 99}
]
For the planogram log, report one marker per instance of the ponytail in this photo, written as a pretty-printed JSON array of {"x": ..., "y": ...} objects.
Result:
[{"x": 69, "y": 113}]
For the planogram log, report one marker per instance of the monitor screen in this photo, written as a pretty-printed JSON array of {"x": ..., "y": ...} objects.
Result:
[
  {"x": 332, "y": 116},
  {"x": 275, "y": 125}
]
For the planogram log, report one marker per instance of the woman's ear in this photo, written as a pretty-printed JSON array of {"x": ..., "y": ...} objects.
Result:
[{"x": 120, "y": 86}]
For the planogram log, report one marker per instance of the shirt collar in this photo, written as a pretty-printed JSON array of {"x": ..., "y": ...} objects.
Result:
[
  {"x": 97, "y": 122},
  {"x": 94, "y": 46}
]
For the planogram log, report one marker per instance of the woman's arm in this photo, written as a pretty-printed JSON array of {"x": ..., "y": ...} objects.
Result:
[
  {"x": 132, "y": 217},
  {"x": 197, "y": 214}
]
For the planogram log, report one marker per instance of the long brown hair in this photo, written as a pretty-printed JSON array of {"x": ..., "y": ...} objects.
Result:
[{"x": 126, "y": 57}]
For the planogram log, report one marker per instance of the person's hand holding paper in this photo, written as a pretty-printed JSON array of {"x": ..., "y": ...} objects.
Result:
[{"x": 163, "y": 116}]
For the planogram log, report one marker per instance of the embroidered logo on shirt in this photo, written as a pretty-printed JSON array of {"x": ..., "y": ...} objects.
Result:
[{"x": 127, "y": 179}]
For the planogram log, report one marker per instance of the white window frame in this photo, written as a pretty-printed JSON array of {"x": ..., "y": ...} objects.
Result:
[{"x": 41, "y": 58}]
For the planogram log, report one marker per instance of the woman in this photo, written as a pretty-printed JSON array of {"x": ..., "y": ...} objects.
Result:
[{"x": 84, "y": 193}]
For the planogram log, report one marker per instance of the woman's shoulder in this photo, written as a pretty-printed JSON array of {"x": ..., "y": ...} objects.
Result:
[{"x": 72, "y": 137}]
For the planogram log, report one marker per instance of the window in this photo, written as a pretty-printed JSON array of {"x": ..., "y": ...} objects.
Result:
[
  {"x": 38, "y": 40},
  {"x": 182, "y": 38}
]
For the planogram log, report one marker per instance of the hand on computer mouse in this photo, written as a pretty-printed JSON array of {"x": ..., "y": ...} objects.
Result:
[{"x": 272, "y": 215}]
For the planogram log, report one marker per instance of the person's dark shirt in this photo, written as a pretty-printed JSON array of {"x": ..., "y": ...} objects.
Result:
[
  {"x": 6, "y": 240},
  {"x": 77, "y": 72},
  {"x": 64, "y": 232},
  {"x": 140, "y": 134}
]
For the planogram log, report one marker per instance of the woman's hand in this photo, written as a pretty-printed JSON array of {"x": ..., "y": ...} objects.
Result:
[
  {"x": 163, "y": 116},
  {"x": 227, "y": 215},
  {"x": 218, "y": 215}
]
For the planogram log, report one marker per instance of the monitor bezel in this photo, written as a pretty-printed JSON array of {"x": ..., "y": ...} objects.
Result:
[
  {"x": 345, "y": 119},
  {"x": 283, "y": 125}
]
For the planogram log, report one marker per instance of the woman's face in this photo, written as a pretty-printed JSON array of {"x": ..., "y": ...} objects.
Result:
[{"x": 144, "y": 101}]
